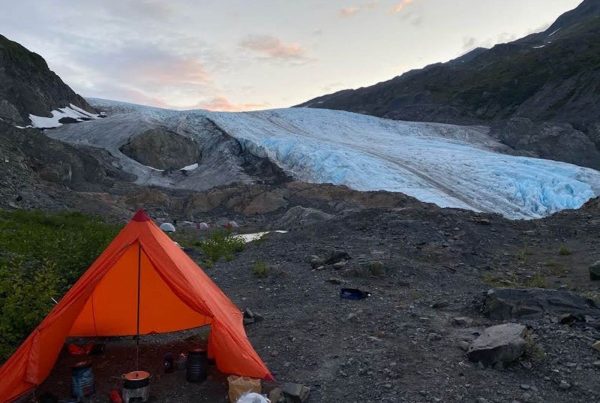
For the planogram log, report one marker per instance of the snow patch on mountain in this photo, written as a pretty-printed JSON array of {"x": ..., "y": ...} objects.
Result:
[{"x": 72, "y": 111}]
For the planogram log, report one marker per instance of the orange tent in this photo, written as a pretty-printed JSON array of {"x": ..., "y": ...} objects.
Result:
[{"x": 141, "y": 267}]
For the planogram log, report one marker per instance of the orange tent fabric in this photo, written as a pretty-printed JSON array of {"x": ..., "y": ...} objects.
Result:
[{"x": 174, "y": 294}]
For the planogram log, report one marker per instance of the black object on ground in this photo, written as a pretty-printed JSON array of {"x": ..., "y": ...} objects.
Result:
[
  {"x": 353, "y": 293},
  {"x": 197, "y": 364}
]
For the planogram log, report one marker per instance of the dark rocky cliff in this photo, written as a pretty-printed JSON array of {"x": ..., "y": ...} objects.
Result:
[{"x": 28, "y": 86}]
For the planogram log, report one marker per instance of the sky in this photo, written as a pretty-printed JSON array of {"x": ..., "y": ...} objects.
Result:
[{"x": 234, "y": 55}]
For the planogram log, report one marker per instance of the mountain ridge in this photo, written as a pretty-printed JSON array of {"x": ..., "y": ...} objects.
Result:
[
  {"x": 540, "y": 94},
  {"x": 28, "y": 86}
]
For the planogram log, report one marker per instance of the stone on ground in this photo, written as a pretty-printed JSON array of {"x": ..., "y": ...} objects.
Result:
[{"x": 500, "y": 344}]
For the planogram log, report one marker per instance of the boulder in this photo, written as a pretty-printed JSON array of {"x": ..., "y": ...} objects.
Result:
[
  {"x": 509, "y": 303},
  {"x": 162, "y": 149},
  {"x": 595, "y": 271},
  {"x": 499, "y": 345},
  {"x": 295, "y": 393},
  {"x": 316, "y": 261},
  {"x": 167, "y": 227}
]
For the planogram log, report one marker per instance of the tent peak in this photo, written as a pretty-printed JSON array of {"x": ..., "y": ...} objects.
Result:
[{"x": 140, "y": 216}]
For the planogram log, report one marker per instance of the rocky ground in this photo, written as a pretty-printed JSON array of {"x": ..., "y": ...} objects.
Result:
[
  {"x": 428, "y": 271},
  {"x": 403, "y": 343}
]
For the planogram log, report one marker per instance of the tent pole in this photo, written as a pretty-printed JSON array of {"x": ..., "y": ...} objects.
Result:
[{"x": 139, "y": 286}]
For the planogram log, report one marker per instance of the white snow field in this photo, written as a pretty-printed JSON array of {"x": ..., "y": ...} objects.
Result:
[
  {"x": 451, "y": 166},
  {"x": 71, "y": 111}
]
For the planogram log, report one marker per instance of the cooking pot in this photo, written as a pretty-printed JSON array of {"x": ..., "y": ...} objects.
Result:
[{"x": 136, "y": 379}]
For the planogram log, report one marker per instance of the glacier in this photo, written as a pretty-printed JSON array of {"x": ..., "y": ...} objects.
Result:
[{"x": 448, "y": 165}]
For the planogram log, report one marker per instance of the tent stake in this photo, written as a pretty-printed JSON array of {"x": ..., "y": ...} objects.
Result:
[{"x": 139, "y": 286}]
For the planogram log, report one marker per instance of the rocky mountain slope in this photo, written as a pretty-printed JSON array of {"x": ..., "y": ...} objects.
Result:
[
  {"x": 28, "y": 86},
  {"x": 541, "y": 94}
]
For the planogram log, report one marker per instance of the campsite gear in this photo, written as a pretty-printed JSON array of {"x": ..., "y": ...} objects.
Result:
[
  {"x": 197, "y": 364},
  {"x": 115, "y": 396},
  {"x": 141, "y": 267},
  {"x": 78, "y": 350},
  {"x": 239, "y": 385},
  {"x": 136, "y": 385},
  {"x": 82, "y": 380},
  {"x": 253, "y": 398},
  {"x": 181, "y": 362},
  {"x": 169, "y": 363},
  {"x": 353, "y": 293}
]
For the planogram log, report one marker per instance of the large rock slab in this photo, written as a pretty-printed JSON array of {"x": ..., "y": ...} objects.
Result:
[
  {"x": 510, "y": 303},
  {"x": 500, "y": 344},
  {"x": 162, "y": 149}
]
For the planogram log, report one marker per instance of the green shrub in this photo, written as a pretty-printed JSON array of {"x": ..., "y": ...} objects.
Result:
[
  {"x": 260, "y": 269},
  {"x": 536, "y": 281},
  {"x": 220, "y": 244},
  {"x": 41, "y": 256},
  {"x": 564, "y": 251}
]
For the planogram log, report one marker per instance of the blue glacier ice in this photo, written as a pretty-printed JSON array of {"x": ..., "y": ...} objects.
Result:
[{"x": 449, "y": 165}]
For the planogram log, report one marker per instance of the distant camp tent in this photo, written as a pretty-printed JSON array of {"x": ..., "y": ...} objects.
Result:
[{"x": 141, "y": 284}]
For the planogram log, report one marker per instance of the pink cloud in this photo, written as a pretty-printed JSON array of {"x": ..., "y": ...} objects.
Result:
[
  {"x": 174, "y": 71},
  {"x": 349, "y": 11},
  {"x": 353, "y": 10},
  {"x": 222, "y": 104},
  {"x": 401, "y": 6},
  {"x": 272, "y": 47}
]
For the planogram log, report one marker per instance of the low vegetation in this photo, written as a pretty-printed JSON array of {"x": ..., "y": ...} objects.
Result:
[
  {"x": 260, "y": 269},
  {"x": 564, "y": 251},
  {"x": 41, "y": 256},
  {"x": 220, "y": 244}
]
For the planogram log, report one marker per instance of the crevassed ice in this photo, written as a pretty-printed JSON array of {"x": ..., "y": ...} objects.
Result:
[{"x": 451, "y": 166}]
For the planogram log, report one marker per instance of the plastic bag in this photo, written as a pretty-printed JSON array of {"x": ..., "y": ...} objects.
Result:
[
  {"x": 238, "y": 385},
  {"x": 253, "y": 398}
]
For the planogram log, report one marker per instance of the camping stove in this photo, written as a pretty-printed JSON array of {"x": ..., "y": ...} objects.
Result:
[{"x": 136, "y": 385}]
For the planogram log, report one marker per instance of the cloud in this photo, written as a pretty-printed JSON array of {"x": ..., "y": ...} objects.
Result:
[
  {"x": 399, "y": 7},
  {"x": 273, "y": 48},
  {"x": 349, "y": 11},
  {"x": 470, "y": 43},
  {"x": 221, "y": 103}
]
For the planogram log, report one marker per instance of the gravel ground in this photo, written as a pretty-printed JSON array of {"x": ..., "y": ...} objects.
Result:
[{"x": 423, "y": 267}]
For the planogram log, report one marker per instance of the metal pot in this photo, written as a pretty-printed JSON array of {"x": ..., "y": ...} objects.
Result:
[{"x": 136, "y": 379}]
